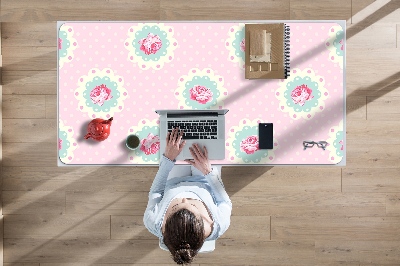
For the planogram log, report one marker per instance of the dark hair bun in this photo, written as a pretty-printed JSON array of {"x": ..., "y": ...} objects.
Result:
[
  {"x": 183, "y": 255},
  {"x": 185, "y": 246}
]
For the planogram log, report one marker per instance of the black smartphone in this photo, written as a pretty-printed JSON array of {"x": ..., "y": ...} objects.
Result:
[{"x": 266, "y": 136}]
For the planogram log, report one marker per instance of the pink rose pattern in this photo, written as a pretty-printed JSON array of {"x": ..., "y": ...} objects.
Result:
[
  {"x": 151, "y": 44},
  {"x": 150, "y": 145},
  {"x": 249, "y": 145},
  {"x": 341, "y": 42},
  {"x": 201, "y": 94},
  {"x": 242, "y": 45},
  {"x": 60, "y": 43},
  {"x": 341, "y": 142},
  {"x": 59, "y": 144},
  {"x": 301, "y": 94},
  {"x": 100, "y": 94}
]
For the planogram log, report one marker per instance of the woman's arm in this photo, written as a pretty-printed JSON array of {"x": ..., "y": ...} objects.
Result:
[
  {"x": 167, "y": 161},
  {"x": 222, "y": 199},
  {"x": 156, "y": 194}
]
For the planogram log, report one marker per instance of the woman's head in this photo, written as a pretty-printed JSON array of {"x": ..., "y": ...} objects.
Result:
[{"x": 184, "y": 235}]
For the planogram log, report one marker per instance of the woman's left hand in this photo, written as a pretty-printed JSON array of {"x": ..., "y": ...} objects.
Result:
[{"x": 174, "y": 144}]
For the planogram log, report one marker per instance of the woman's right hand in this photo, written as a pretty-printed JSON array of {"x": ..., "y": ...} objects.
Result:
[{"x": 200, "y": 159}]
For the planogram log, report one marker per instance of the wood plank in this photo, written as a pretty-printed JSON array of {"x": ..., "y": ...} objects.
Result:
[
  {"x": 21, "y": 264},
  {"x": 128, "y": 10},
  {"x": 29, "y": 34},
  {"x": 393, "y": 204},
  {"x": 397, "y": 35},
  {"x": 383, "y": 108},
  {"x": 335, "y": 228},
  {"x": 107, "y": 203},
  {"x": 27, "y": 51},
  {"x": 30, "y": 154},
  {"x": 286, "y": 180},
  {"x": 309, "y": 204},
  {"x": 46, "y": 178},
  {"x": 46, "y": 62},
  {"x": 30, "y": 82},
  {"x": 224, "y": 10},
  {"x": 29, "y": 130},
  {"x": 228, "y": 251},
  {"x": 86, "y": 250},
  {"x": 249, "y": 227},
  {"x": 384, "y": 36},
  {"x": 0, "y": 39},
  {"x": 33, "y": 202},
  {"x": 356, "y": 108},
  {"x": 24, "y": 106},
  {"x": 372, "y": 12},
  {"x": 113, "y": 264},
  {"x": 360, "y": 155},
  {"x": 53, "y": 226},
  {"x": 51, "y": 106},
  {"x": 357, "y": 6},
  {"x": 129, "y": 227},
  {"x": 364, "y": 252},
  {"x": 1, "y": 155},
  {"x": 25, "y": 58},
  {"x": 1, "y": 237},
  {"x": 363, "y": 79},
  {"x": 373, "y": 132},
  {"x": 381, "y": 180},
  {"x": 325, "y": 9}
]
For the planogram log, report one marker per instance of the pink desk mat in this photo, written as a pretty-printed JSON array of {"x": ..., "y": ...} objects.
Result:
[{"x": 128, "y": 70}]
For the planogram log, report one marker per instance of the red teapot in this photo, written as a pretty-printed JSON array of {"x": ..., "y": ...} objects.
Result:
[{"x": 98, "y": 129}]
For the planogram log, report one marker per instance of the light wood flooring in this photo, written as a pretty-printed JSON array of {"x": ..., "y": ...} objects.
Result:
[{"x": 281, "y": 215}]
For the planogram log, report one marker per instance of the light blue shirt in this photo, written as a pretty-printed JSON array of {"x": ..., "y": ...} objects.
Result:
[{"x": 209, "y": 188}]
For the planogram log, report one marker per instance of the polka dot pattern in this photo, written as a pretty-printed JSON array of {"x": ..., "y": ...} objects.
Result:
[{"x": 200, "y": 46}]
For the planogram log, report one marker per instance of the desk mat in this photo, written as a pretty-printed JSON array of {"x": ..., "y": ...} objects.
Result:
[{"x": 127, "y": 70}]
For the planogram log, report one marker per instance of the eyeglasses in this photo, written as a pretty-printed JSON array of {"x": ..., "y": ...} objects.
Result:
[{"x": 310, "y": 144}]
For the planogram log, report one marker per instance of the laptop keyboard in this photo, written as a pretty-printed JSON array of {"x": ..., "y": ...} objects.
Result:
[{"x": 196, "y": 129}]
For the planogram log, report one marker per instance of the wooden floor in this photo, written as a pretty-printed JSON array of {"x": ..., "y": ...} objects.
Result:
[{"x": 281, "y": 215}]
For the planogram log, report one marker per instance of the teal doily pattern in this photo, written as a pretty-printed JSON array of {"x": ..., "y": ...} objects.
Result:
[
  {"x": 309, "y": 101},
  {"x": 242, "y": 144},
  {"x": 159, "y": 41}
]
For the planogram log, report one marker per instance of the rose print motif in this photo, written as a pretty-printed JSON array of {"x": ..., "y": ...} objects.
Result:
[
  {"x": 201, "y": 94},
  {"x": 249, "y": 145},
  {"x": 67, "y": 44},
  {"x": 301, "y": 94},
  {"x": 335, "y": 44},
  {"x": 151, "y": 44},
  {"x": 242, "y": 144},
  {"x": 100, "y": 94},
  {"x": 201, "y": 89},
  {"x": 336, "y": 138},
  {"x": 60, "y": 43},
  {"x": 235, "y": 44},
  {"x": 242, "y": 45},
  {"x": 149, "y": 147},
  {"x": 67, "y": 144},
  {"x": 151, "y": 144}
]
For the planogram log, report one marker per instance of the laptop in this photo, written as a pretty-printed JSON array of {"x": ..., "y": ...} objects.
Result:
[{"x": 204, "y": 127}]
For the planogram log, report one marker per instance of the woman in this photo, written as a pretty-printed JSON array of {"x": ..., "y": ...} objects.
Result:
[{"x": 187, "y": 210}]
